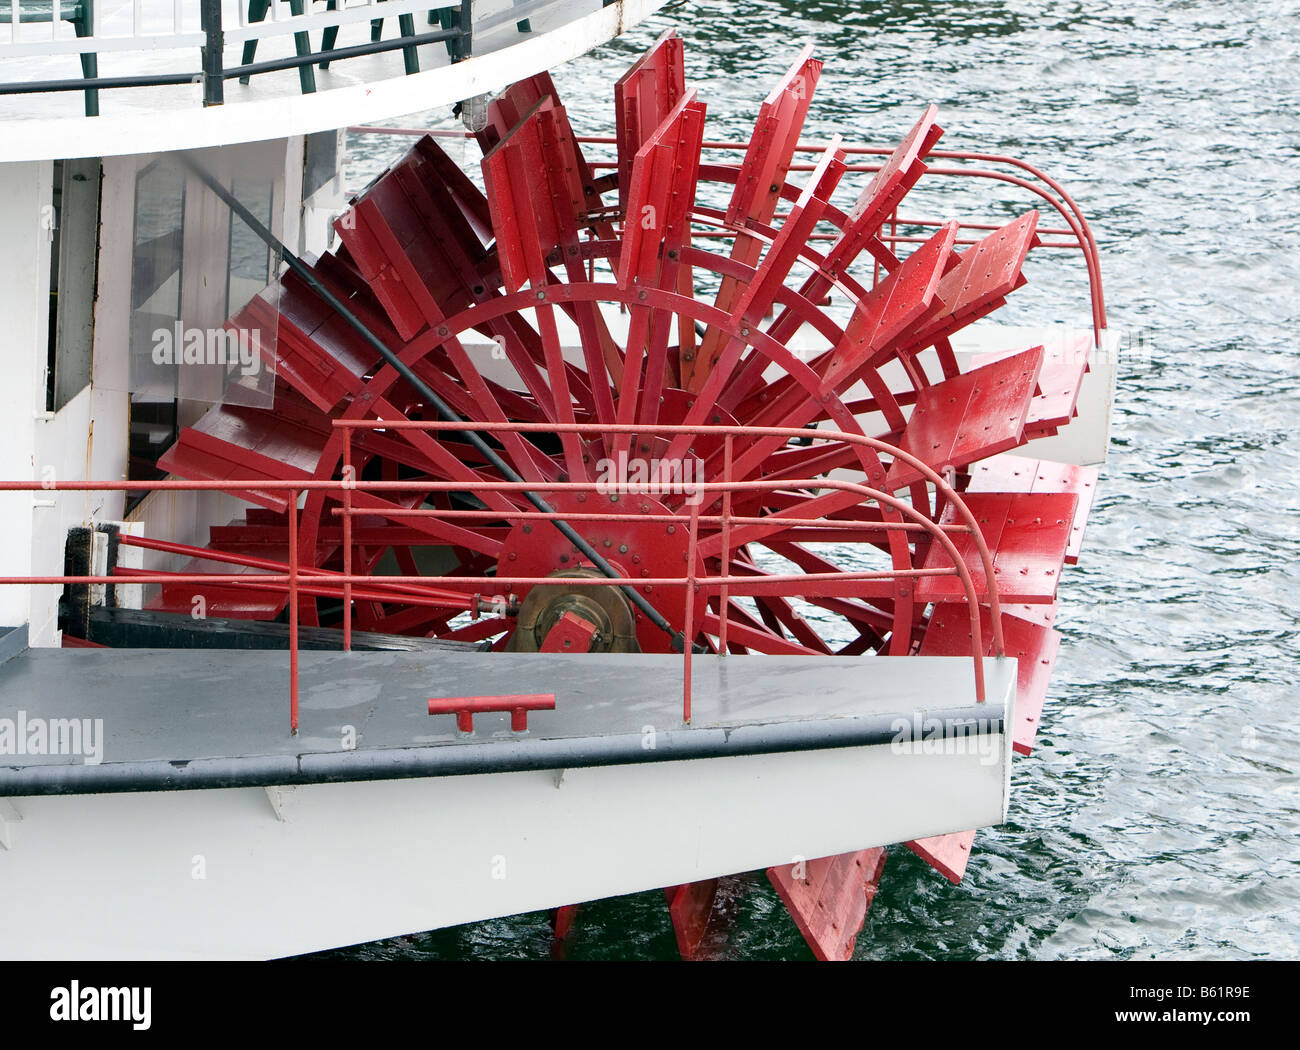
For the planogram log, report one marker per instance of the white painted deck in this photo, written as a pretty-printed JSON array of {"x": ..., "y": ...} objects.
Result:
[{"x": 153, "y": 37}]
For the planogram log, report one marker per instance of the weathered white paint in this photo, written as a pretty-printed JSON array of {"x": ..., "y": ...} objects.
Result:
[
  {"x": 9, "y": 819},
  {"x": 39, "y": 445},
  {"x": 25, "y": 213}
]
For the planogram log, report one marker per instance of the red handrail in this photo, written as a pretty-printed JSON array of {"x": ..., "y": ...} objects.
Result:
[
  {"x": 466, "y": 707},
  {"x": 452, "y": 590}
]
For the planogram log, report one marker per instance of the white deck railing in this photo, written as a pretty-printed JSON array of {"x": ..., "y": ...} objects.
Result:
[{"x": 171, "y": 25}]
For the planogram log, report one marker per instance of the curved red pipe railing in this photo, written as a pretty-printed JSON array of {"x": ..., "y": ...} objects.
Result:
[{"x": 314, "y": 581}]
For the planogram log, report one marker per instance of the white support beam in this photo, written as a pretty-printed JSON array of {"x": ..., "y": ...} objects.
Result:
[{"x": 9, "y": 819}]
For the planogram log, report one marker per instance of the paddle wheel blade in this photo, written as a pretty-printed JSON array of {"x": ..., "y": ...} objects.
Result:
[{"x": 829, "y": 898}]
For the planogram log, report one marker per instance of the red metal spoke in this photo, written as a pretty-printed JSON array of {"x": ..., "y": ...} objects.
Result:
[
  {"x": 794, "y": 623},
  {"x": 759, "y": 641}
]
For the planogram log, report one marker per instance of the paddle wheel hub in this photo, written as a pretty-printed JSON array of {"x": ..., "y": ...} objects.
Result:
[
  {"x": 637, "y": 550},
  {"x": 604, "y": 616}
]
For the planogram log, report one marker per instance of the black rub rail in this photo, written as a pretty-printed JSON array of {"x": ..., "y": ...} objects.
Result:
[{"x": 504, "y": 756}]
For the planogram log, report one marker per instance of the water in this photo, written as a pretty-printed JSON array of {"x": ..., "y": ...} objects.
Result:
[{"x": 1158, "y": 816}]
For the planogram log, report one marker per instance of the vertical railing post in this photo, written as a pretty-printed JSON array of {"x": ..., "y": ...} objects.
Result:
[
  {"x": 293, "y": 611},
  {"x": 465, "y": 46},
  {"x": 726, "y": 543},
  {"x": 349, "y": 480},
  {"x": 688, "y": 634},
  {"x": 214, "y": 80}
]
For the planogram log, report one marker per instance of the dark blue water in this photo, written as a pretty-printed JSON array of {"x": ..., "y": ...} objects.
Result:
[{"x": 1159, "y": 816}]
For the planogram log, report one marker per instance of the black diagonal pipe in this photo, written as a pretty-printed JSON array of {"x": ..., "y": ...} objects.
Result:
[{"x": 443, "y": 409}]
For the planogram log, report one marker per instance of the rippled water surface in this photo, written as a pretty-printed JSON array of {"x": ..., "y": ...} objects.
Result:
[{"x": 1158, "y": 816}]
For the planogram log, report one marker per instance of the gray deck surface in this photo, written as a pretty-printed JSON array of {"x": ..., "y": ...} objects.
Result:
[{"x": 180, "y": 705}]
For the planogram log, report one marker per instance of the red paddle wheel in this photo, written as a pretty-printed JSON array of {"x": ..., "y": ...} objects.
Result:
[{"x": 566, "y": 292}]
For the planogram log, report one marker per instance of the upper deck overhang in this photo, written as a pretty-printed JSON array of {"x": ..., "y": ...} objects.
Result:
[{"x": 148, "y": 118}]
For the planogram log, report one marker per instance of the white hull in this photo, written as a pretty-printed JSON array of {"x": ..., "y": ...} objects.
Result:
[{"x": 117, "y": 875}]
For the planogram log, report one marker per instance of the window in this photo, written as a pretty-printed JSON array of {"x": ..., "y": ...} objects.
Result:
[
  {"x": 204, "y": 308},
  {"x": 157, "y": 275},
  {"x": 74, "y": 254}
]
